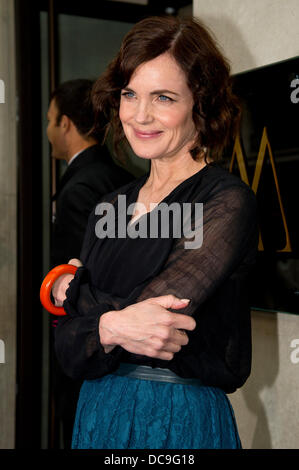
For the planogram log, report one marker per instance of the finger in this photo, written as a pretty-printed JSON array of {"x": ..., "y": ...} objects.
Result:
[
  {"x": 181, "y": 337},
  {"x": 169, "y": 301},
  {"x": 170, "y": 347},
  {"x": 179, "y": 303},
  {"x": 183, "y": 322},
  {"x": 163, "y": 354},
  {"x": 75, "y": 262},
  {"x": 166, "y": 334},
  {"x": 152, "y": 350},
  {"x": 178, "y": 338}
]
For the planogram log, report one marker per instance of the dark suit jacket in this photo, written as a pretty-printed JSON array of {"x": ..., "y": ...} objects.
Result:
[{"x": 92, "y": 174}]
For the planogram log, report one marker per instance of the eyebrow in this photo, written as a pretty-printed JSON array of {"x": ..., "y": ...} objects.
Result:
[{"x": 156, "y": 92}]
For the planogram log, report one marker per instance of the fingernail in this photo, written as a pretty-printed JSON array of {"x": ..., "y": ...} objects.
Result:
[{"x": 185, "y": 300}]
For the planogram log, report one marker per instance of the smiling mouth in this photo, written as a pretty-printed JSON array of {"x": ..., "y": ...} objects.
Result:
[{"x": 147, "y": 134}]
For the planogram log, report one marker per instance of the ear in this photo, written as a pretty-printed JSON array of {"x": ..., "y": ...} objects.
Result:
[{"x": 65, "y": 123}]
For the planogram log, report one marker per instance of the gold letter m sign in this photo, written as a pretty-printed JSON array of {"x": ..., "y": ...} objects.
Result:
[{"x": 238, "y": 153}]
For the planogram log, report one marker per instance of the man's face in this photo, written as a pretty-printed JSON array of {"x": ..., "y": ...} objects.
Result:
[{"x": 55, "y": 133}]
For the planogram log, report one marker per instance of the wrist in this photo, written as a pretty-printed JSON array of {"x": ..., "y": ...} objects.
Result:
[{"x": 107, "y": 338}]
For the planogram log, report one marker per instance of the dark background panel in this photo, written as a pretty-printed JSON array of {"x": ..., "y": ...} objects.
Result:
[{"x": 270, "y": 99}]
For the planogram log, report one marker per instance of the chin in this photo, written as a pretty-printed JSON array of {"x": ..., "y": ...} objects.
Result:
[
  {"x": 144, "y": 156},
  {"x": 142, "y": 152}
]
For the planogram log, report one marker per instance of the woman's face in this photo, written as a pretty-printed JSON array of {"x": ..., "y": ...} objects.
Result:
[{"x": 156, "y": 110}]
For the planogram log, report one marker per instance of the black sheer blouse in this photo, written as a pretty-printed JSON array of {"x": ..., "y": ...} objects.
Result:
[{"x": 215, "y": 275}]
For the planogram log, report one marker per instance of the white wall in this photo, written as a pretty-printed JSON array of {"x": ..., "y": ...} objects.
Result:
[
  {"x": 253, "y": 33},
  {"x": 267, "y": 407},
  {"x": 8, "y": 204}
]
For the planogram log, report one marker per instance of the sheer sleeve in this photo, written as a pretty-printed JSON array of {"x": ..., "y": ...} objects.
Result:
[
  {"x": 229, "y": 241},
  {"x": 229, "y": 236},
  {"x": 216, "y": 277}
]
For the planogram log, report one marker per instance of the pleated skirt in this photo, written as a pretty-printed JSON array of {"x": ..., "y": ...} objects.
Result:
[{"x": 117, "y": 412}]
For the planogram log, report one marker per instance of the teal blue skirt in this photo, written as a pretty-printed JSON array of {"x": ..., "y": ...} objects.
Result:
[{"x": 117, "y": 412}]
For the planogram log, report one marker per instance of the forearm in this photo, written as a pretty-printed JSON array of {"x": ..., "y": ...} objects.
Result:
[
  {"x": 77, "y": 341},
  {"x": 79, "y": 351}
]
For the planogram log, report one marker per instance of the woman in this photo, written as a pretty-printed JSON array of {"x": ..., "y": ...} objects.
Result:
[{"x": 159, "y": 329}]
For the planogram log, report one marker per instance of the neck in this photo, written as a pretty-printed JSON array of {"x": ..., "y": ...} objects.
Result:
[
  {"x": 78, "y": 146},
  {"x": 165, "y": 173}
]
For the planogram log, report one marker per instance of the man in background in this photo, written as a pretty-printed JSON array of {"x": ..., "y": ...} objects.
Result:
[{"x": 90, "y": 174}]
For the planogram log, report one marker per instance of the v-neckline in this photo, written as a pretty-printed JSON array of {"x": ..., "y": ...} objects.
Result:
[{"x": 137, "y": 189}]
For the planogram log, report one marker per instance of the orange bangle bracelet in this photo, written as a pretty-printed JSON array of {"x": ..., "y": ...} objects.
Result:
[{"x": 46, "y": 287}]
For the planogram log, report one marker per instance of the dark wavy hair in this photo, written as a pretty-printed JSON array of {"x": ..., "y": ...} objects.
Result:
[{"x": 216, "y": 110}]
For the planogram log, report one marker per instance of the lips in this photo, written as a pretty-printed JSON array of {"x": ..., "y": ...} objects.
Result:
[{"x": 147, "y": 134}]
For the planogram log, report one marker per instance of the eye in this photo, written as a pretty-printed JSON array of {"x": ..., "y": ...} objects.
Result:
[
  {"x": 128, "y": 94},
  {"x": 164, "y": 98}
]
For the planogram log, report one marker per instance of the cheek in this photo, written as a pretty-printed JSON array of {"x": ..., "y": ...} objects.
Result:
[
  {"x": 177, "y": 122},
  {"x": 187, "y": 123},
  {"x": 124, "y": 113},
  {"x": 49, "y": 131},
  {"x": 168, "y": 120}
]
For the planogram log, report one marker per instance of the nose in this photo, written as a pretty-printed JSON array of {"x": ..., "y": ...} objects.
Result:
[{"x": 143, "y": 112}]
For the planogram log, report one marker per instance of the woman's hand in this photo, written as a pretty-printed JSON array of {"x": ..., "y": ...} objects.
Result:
[
  {"x": 61, "y": 284},
  {"x": 147, "y": 327}
]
